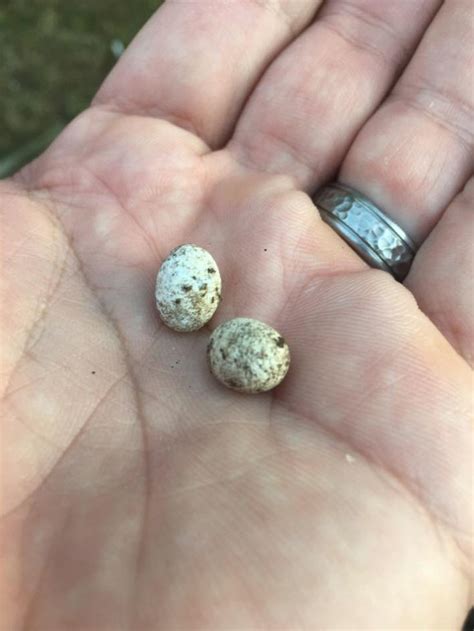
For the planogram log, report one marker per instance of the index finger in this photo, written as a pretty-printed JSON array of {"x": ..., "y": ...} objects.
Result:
[{"x": 194, "y": 63}]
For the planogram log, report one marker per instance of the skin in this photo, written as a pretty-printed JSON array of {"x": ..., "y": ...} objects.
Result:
[{"x": 137, "y": 493}]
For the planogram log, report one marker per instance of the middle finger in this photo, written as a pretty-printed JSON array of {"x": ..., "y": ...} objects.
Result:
[{"x": 316, "y": 96}]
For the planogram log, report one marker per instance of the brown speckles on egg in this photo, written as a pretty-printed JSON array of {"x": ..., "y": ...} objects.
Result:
[
  {"x": 186, "y": 290},
  {"x": 248, "y": 355}
]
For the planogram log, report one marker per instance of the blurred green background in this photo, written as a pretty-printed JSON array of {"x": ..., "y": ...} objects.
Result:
[{"x": 53, "y": 56}]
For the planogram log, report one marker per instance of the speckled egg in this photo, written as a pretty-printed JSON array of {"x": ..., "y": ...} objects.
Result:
[
  {"x": 248, "y": 355},
  {"x": 188, "y": 288}
]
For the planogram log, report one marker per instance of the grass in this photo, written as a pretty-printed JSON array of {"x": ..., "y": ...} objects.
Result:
[{"x": 55, "y": 54}]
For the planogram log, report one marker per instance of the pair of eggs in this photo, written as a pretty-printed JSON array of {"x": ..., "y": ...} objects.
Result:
[{"x": 244, "y": 354}]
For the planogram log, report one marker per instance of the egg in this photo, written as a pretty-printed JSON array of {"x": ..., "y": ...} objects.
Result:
[
  {"x": 248, "y": 355},
  {"x": 188, "y": 288}
]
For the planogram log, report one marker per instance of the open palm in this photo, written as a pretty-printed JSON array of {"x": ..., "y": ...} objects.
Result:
[{"x": 137, "y": 492}]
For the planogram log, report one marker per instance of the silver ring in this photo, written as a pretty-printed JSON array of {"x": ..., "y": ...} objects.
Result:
[{"x": 375, "y": 237}]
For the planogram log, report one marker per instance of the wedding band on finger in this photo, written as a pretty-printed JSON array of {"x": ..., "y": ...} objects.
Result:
[{"x": 375, "y": 237}]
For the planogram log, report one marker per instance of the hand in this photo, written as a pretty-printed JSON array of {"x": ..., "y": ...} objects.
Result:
[{"x": 137, "y": 492}]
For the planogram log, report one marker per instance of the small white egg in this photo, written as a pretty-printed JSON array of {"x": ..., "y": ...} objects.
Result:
[
  {"x": 188, "y": 288},
  {"x": 248, "y": 355}
]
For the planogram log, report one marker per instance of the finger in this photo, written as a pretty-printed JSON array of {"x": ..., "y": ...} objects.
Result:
[
  {"x": 194, "y": 63},
  {"x": 319, "y": 92},
  {"x": 415, "y": 154},
  {"x": 442, "y": 278}
]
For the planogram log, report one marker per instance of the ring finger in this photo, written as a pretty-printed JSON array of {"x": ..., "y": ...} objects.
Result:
[{"x": 415, "y": 153}]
